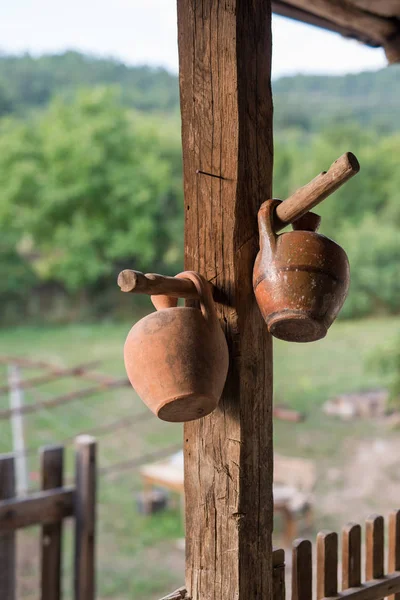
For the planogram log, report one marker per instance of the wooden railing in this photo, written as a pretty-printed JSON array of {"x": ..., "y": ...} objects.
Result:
[
  {"x": 377, "y": 583},
  {"x": 48, "y": 508}
]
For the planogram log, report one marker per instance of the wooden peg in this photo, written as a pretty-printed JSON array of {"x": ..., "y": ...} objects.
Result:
[
  {"x": 314, "y": 192},
  {"x": 152, "y": 284}
]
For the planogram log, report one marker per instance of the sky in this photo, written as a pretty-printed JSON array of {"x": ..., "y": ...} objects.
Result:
[{"x": 144, "y": 32}]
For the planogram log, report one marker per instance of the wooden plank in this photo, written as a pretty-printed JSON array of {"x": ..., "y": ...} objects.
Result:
[
  {"x": 327, "y": 564},
  {"x": 226, "y": 104},
  {"x": 7, "y": 539},
  {"x": 351, "y": 556},
  {"x": 345, "y": 14},
  {"x": 52, "y": 463},
  {"x": 386, "y": 8},
  {"x": 375, "y": 547},
  {"x": 40, "y": 508},
  {"x": 285, "y": 9},
  {"x": 278, "y": 575},
  {"x": 302, "y": 570},
  {"x": 371, "y": 590},
  {"x": 85, "y": 519},
  {"x": 394, "y": 545}
]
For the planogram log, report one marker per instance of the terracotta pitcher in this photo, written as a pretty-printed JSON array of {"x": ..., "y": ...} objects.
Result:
[
  {"x": 301, "y": 278},
  {"x": 177, "y": 357}
]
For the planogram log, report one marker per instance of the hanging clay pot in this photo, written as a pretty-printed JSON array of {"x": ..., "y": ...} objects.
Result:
[
  {"x": 177, "y": 357},
  {"x": 300, "y": 279}
]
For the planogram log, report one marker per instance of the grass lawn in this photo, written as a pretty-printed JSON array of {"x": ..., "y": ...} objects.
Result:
[{"x": 136, "y": 556}]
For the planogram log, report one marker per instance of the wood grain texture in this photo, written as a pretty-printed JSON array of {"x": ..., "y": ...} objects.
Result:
[
  {"x": 375, "y": 547},
  {"x": 152, "y": 284},
  {"x": 36, "y": 509},
  {"x": 284, "y": 8},
  {"x": 7, "y": 540},
  {"x": 394, "y": 546},
  {"x": 85, "y": 519},
  {"x": 225, "y": 64},
  {"x": 351, "y": 556},
  {"x": 345, "y": 14},
  {"x": 52, "y": 464},
  {"x": 327, "y": 564},
  {"x": 302, "y": 570},
  {"x": 386, "y": 8}
]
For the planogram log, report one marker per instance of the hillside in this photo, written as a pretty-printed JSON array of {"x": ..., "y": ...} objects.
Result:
[
  {"x": 306, "y": 102},
  {"x": 370, "y": 99}
]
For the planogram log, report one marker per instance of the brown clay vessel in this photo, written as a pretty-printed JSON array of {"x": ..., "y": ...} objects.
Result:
[
  {"x": 300, "y": 278},
  {"x": 177, "y": 357}
]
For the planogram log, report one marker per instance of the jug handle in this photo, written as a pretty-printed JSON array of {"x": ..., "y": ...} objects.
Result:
[
  {"x": 308, "y": 222},
  {"x": 205, "y": 296},
  {"x": 161, "y": 301},
  {"x": 265, "y": 224}
]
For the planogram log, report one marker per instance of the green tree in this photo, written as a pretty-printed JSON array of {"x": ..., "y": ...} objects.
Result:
[{"x": 92, "y": 187}]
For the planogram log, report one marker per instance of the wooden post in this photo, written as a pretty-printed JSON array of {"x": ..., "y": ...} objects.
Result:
[
  {"x": 225, "y": 65},
  {"x": 52, "y": 463},
  {"x": 7, "y": 540},
  {"x": 85, "y": 518}
]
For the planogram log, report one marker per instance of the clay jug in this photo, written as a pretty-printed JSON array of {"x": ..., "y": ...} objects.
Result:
[
  {"x": 177, "y": 357},
  {"x": 300, "y": 279}
]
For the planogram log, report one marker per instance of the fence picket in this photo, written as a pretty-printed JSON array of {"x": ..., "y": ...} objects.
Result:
[
  {"x": 394, "y": 546},
  {"x": 375, "y": 544},
  {"x": 351, "y": 556},
  {"x": 51, "y": 538},
  {"x": 302, "y": 570},
  {"x": 85, "y": 518},
  {"x": 8, "y": 539},
  {"x": 327, "y": 564}
]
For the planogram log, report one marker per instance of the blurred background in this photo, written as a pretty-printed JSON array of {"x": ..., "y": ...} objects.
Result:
[{"x": 91, "y": 183}]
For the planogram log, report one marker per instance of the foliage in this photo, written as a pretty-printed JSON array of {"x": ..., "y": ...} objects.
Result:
[
  {"x": 89, "y": 187},
  {"x": 314, "y": 102},
  {"x": 363, "y": 216},
  {"x": 306, "y": 102},
  {"x": 29, "y": 82}
]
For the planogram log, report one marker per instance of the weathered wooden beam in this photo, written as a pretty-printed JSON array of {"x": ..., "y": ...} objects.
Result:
[
  {"x": 350, "y": 19},
  {"x": 285, "y": 9},
  {"x": 346, "y": 14},
  {"x": 386, "y": 8},
  {"x": 37, "y": 509},
  {"x": 225, "y": 65}
]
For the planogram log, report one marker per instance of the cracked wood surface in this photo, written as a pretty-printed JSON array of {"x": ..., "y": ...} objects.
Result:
[{"x": 225, "y": 61}]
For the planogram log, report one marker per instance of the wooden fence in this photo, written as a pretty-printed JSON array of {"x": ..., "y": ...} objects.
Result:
[
  {"x": 377, "y": 584},
  {"x": 48, "y": 508}
]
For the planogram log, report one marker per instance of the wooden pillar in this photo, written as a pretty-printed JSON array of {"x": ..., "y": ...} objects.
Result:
[{"x": 225, "y": 64}]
